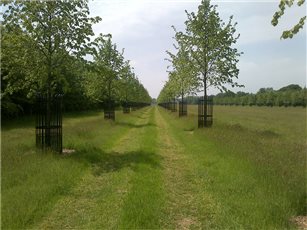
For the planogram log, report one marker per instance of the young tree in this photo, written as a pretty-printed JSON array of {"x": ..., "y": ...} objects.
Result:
[
  {"x": 167, "y": 94},
  {"x": 182, "y": 76},
  {"x": 108, "y": 64},
  {"x": 126, "y": 86},
  {"x": 111, "y": 77},
  {"x": 139, "y": 95},
  {"x": 210, "y": 42},
  {"x": 48, "y": 33}
]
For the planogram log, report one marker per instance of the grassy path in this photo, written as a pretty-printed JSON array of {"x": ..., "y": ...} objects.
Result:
[
  {"x": 181, "y": 208},
  {"x": 121, "y": 189},
  {"x": 188, "y": 204}
]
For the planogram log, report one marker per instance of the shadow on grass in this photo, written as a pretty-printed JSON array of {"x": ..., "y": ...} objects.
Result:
[
  {"x": 123, "y": 123},
  {"x": 104, "y": 162},
  {"x": 79, "y": 114},
  {"x": 264, "y": 133}
]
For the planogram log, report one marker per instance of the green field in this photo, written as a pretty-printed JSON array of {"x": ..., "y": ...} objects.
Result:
[{"x": 151, "y": 169}]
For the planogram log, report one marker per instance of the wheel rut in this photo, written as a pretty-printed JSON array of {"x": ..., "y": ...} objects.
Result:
[{"x": 181, "y": 207}]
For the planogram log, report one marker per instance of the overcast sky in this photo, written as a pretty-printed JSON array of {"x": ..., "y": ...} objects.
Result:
[{"x": 143, "y": 28}]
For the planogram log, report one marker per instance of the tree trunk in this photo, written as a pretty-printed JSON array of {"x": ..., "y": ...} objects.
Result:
[
  {"x": 49, "y": 80},
  {"x": 109, "y": 97},
  {"x": 48, "y": 109},
  {"x": 205, "y": 101},
  {"x": 49, "y": 94},
  {"x": 181, "y": 104}
]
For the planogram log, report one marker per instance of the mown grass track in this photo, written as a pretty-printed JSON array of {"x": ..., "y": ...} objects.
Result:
[{"x": 152, "y": 170}]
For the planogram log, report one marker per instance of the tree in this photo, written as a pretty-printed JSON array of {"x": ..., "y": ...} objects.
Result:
[
  {"x": 297, "y": 27},
  {"x": 75, "y": 98},
  {"x": 132, "y": 92},
  {"x": 210, "y": 42},
  {"x": 182, "y": 76},
  {"x": 49, "y": 33},
  {"x": 290, "y": 87},
  {"x": 139, "y": 95},
  {"x": 110, "y": 77},
  {"x": 107, "y": 65},
  {"x": 167, "y": 94},
  {"x": 264, "y": 90},
  {"x": 126, "y": 84}
]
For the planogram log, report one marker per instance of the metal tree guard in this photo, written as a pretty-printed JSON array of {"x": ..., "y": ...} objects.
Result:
[
  {"x": 109, "y": 110},
  {"x": 183, "y": 108},
  {"x": 205, "y": 112},
  {"x": 49, "y": 122},
  {"x": 133, "y": 106},
  {"x": 126, "y": 107},
  {"x": 173, "y": 104}
]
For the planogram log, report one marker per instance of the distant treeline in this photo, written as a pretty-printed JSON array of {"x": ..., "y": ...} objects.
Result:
[{"x": 291, "y": 95}]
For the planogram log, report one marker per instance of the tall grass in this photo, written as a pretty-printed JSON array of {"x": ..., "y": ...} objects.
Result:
[{"x": 252, "y": 161}]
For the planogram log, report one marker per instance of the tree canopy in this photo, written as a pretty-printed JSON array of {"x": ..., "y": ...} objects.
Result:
[
  {"x": 206, "y": 54},
  {"x": 182, "y": 77},
  {"x": 48, "y": 46},
  {"x": 44, "y": 37}
]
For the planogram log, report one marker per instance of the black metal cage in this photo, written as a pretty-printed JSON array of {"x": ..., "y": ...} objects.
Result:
[
  {"x": 205, "y": 112},
  {"x": 109, "y": 110},
  {"x": 173, "y": 105},
  {"x": 183, "y": 108},
  {"x": 49, "y": 122},
  {"x": 126, "y": 107}
]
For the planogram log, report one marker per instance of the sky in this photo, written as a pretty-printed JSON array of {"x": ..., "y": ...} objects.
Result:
[{"x": 143, "y": 29}]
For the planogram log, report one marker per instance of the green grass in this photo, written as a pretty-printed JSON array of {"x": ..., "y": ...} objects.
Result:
[
  {"x": 288, "y": 123},
  {"x": 143, "y": 205},
  {"x": 33, "y": 182},
  {"x": 151, "y": 169},
  {"x": 252, "y": 162}
]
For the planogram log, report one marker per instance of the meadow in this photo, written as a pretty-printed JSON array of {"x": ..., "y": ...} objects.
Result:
[{"x": 151, "y": 169}]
